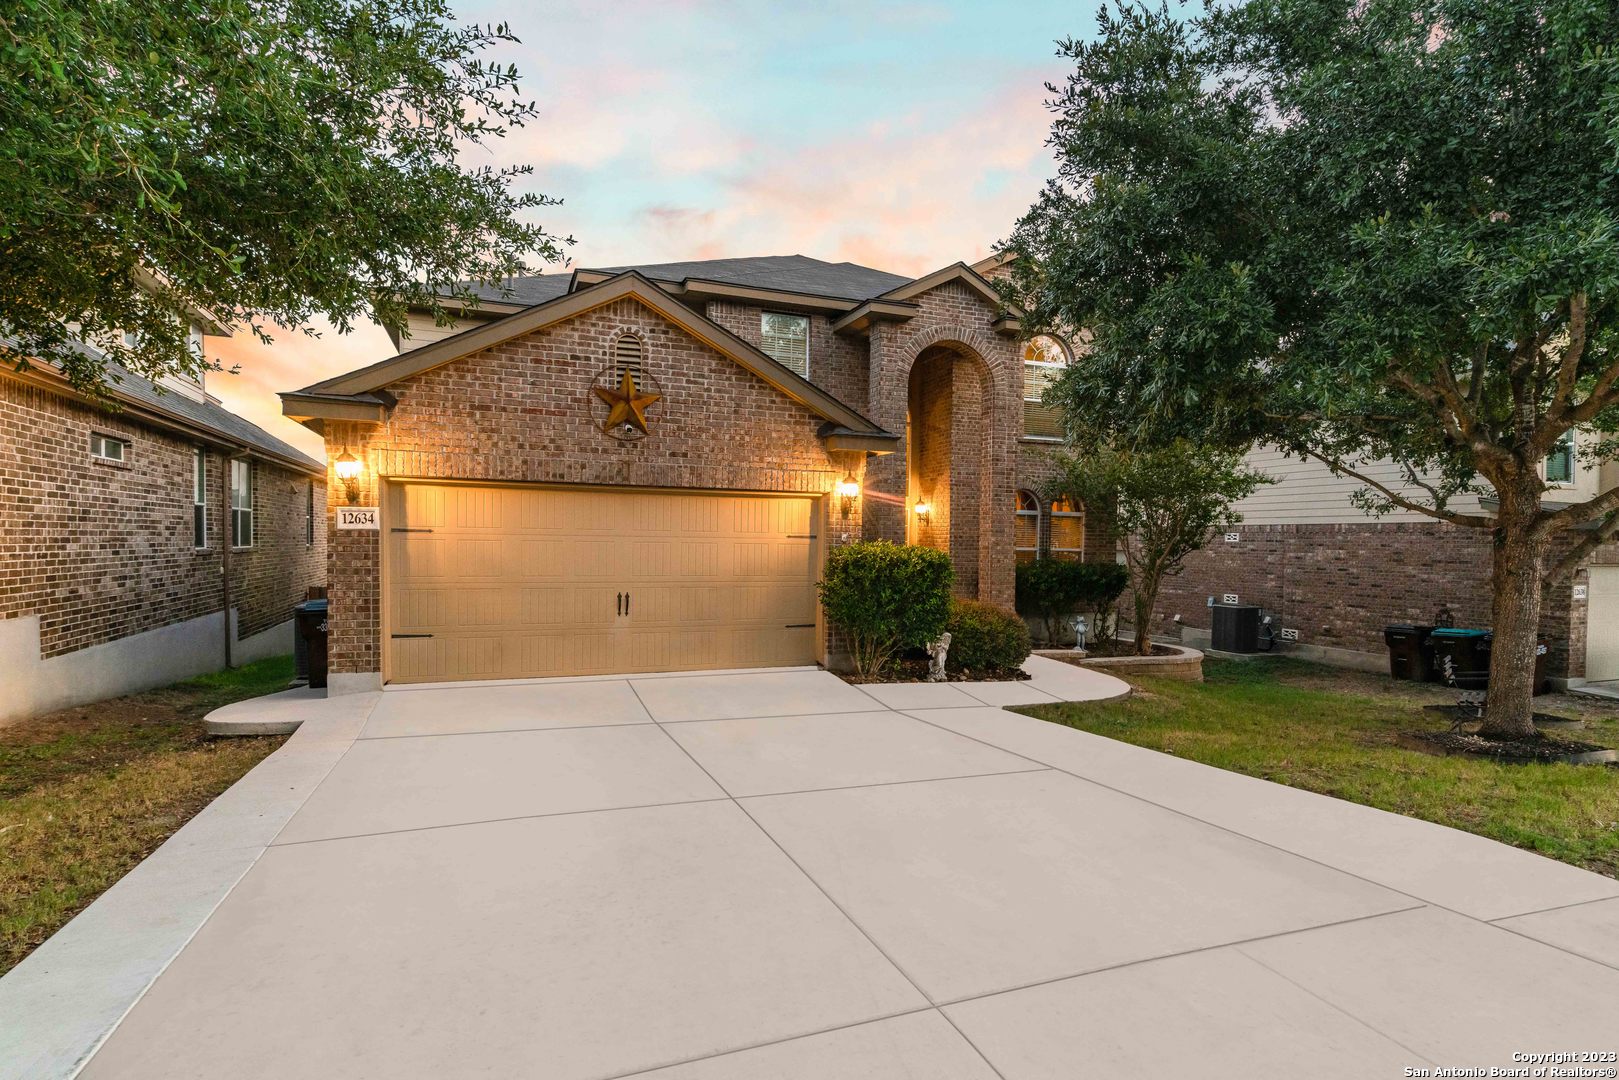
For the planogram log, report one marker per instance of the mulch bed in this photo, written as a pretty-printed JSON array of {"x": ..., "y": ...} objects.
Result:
[
  {"x": 1539, "y": 748},
  {"x": 906, "y": 669}
]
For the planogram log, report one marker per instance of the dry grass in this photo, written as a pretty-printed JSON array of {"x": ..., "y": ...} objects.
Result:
[{"x": 87, "y": 793}]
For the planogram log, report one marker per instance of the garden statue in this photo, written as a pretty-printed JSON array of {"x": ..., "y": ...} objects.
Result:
[
  {"x": 936, "y": 654},
  {"x": 1079, "y": 633}
]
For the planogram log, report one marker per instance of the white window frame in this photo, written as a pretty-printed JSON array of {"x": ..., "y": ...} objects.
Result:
[
  {"x": 1020, "y": 513},
  {"x": 241, "y": 503},
  {"x": 1049, "y": 371},
  {"x": 764, "y": 339},
  {"x": 199, "y": 500},
  {"x": 1573, "y": 462},
  {"x": 100, "y": 442},
  {"x": 1051, "y": 531}
]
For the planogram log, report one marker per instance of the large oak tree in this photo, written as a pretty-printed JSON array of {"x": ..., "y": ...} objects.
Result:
[
  {"x": 265, "y": 160},
  {"x": 1357, "y": 230}
]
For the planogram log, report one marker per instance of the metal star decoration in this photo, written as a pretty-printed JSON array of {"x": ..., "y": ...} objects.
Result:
[{"x": 628, "y": 404}]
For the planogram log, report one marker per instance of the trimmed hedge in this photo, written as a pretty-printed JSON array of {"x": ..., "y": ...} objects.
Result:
[
  {"x": 886, "y": 597},
  {"x": 985, "y": 640}
]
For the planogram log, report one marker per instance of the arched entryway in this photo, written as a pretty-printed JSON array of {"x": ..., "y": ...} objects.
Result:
[{"x": 947, "y": 446}]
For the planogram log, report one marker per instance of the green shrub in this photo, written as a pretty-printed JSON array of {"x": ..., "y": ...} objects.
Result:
[
  {"x": 984, "y": 640},
  {"x": 1053, "y": 589},
  {"x": 886, "y": 597}
]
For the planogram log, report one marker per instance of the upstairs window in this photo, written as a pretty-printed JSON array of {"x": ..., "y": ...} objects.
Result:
[
  {"x": 241, "y": 503},
  {"x": 199, "y": 499},
  {"x": 1560, "y": 462},
  {"x": 1044, "y": 359},
  {"x": 108, "y": 448},
  {"x": 1026, "y": 527},
  {"x": 1067, "y": 529},
  {"x": 785, "y": 338}
]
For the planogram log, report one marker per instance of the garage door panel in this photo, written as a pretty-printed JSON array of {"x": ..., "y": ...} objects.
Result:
[
  {"x": 521, "y": 582},
  {"x": 1602, "y": 624}
]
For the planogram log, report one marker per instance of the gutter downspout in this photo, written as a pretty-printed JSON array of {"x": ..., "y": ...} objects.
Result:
[{"x": 226, "y": 525}]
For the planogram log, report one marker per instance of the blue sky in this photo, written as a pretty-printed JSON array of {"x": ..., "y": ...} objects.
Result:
[{"x": 899, "y": 135}]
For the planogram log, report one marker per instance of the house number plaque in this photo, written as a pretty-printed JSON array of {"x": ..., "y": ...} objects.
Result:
[{"x": 357, "y": 517}]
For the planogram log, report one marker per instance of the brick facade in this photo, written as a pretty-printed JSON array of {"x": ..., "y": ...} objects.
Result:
[
  {"x": 100, "y": 551},
  {"x": 522, "y": 411},
  {"x": 1340, "y": 585}
]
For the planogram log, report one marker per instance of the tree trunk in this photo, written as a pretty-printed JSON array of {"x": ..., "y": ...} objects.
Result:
[
  {"x": 1519, "y": 561},
  {"x": 1146, "y": 597}
]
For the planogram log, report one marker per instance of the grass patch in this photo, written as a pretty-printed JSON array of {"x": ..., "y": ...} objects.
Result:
[
  {"x": 88, "y": 792},
  {"x": 1334, "y": 732}
]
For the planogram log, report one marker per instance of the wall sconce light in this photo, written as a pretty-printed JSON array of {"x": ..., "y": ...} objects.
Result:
[
  {"x": 348, "y": 470},
  {"x": 848, "y": 490},
  {"x": 924, "y": 512}
]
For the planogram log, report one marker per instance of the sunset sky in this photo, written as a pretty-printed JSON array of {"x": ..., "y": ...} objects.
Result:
[{"x": 903, "y": 136}]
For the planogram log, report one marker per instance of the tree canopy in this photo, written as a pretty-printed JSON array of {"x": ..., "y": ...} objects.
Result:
[
  {"x": 1380, "y": 229},
  {"x": 268, "y": 161},
  {"x": 1355, "y": 230}
]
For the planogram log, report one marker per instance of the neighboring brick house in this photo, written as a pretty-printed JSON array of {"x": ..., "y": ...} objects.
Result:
[
  {"x": 117, "y": 531},
  {"x": 642, "y": 468},
  {"x": 1324, "y": 569}
]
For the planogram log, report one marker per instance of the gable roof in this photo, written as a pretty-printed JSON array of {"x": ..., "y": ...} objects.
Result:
[
  {"x": 176, "y": 409},
  {"x": 366, "y": 387}
]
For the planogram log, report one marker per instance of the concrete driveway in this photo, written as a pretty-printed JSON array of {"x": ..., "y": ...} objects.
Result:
[{"x": 779, "y": 875}]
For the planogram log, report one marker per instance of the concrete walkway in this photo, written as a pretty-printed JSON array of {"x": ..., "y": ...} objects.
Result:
[{"x": 779, "y": 875}]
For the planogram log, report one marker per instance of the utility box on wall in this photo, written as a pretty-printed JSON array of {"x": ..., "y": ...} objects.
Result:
[{"x": 1235, "y": 628}]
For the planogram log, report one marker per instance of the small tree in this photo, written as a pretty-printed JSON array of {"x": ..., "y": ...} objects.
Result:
[
  {"x": 886, "y": 597},
  {"x": 1167, "y": 503}
]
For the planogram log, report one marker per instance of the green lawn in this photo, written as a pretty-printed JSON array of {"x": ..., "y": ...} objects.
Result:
[
  {"x": 1334, "y": 732},
  {"x": 86, "y": 793}
]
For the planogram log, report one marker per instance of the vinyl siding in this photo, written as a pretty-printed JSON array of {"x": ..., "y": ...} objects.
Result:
[{"x": 1306, "y": 493}]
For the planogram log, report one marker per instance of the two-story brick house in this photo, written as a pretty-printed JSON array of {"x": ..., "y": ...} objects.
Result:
[
  {"x": 642, "y": 468},
  {"x": 157, "y": 540}
]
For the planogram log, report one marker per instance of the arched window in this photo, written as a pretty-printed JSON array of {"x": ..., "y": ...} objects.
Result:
[
  {"x": 1026, "y": 527},
  {"x": 1067, "y": 529},
  {"x": 1044, "y": 358},
  {"x": 628, "y": 355}
]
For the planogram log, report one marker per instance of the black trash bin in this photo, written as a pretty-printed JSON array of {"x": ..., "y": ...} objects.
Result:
[
  {"x": 310, "y": 618},
  {"x": 1410, "y": 655},
  {"x": 1467, "y": 650}
]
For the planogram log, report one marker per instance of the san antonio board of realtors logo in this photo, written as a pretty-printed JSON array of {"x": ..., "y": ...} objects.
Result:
[{"x": 621, "y": 397}]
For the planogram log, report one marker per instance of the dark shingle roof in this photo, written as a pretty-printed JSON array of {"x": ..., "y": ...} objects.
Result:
[
  {"x": 789, "y": 273},
  {"x": 207, "y": 415}
]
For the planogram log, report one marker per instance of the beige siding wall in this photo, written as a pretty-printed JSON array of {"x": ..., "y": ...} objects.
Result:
[
  {"x": 1306, "y": 493},
  {"x": 424, "y": 331}
]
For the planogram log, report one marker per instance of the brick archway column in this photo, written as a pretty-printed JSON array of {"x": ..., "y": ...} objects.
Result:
[
  {"x": 894, "y": 348},
  {"x": 887, "y": 475}
]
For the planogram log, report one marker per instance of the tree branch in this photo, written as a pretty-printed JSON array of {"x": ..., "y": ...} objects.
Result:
[
  {"x": 1472, "y": 521},
  {"x": 1576, "y": 555},
  {"x": 1568, "y": 370},
  {"x": 1579, "y": 513}
]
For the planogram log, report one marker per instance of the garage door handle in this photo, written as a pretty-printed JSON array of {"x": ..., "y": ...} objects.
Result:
[
  {"x": 397, "y": 636},
  {"x": 626, "y": 603},
  {"x": 620, "y": 607}
]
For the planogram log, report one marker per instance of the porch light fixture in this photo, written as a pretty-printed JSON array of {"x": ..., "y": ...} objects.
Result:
[
  {"x": 924, "y": 512},
  {"x": 348, "y": 470},
  {"x": 848, "y": 490}
]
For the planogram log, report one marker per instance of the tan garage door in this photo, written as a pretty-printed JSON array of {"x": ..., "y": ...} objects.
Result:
[
  {"x": 1602, "y": 624},
  {"x": 519, "y": 582}
]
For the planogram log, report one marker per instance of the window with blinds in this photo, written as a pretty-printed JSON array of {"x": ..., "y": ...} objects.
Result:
[
  {"x": 1026, "y": 527},
  {"x": 785, "y": 338},
  {"x": 1044, "y": 359},
  {"x": 628, "y": 356},
  {"x": 1560, "y": 462},
  {"x": 241, "y": 503},
  {"x": 1067, "y": 529}
]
